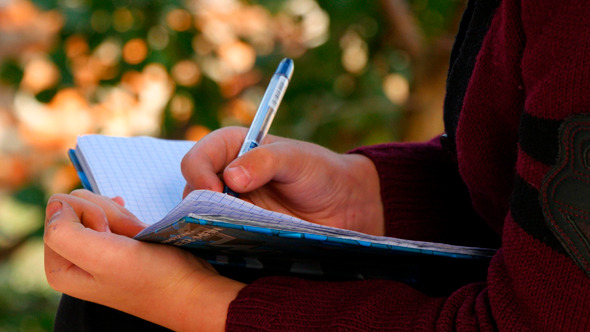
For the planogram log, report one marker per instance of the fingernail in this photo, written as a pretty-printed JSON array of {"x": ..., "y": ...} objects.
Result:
[
  {"x": 239, "y": 176},
  {"x": 53, "y": 211},
  {"x": 119, "y": 200}
]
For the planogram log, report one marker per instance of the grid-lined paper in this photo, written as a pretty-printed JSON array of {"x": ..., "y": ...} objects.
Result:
[
  {"x": 217, "y": 206},
  {"x": 145, "y": 171}
]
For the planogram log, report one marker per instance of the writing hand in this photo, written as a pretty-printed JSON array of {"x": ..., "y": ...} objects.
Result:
[{"x": 289, "y": 176}]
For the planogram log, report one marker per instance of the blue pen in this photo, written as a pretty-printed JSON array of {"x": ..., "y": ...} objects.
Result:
[{"x": 267, "y": 109}]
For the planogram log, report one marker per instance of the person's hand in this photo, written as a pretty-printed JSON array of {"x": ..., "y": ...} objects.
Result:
[
  {"x": 89, "y": 255},
  {"x": 293, "y": 177}
]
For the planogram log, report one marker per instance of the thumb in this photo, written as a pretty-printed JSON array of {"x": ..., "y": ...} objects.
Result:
[
  {"x": 61, "y": 206},
  {"x": 281, "y": 161}
]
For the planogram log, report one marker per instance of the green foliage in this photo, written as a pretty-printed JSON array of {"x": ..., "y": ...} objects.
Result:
[{"x": 10, "y": 72}]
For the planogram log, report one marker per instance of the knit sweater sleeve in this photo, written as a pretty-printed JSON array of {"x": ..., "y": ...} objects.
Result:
[{"x": 424, "y": 197}]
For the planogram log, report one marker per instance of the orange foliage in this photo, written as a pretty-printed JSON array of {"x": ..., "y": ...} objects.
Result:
[{"x": 229, "y": 37}]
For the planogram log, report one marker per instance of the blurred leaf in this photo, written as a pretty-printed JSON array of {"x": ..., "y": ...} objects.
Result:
[
  {"x": 45, "y": 96},
  {"x": 33, "y": 194},
  {"x": 45, "y": 4},
  {"x": 11, "y": 72}
]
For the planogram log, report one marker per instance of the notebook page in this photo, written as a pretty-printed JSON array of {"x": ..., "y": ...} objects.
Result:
[
  {"x": 210, "y": 203},
  {"x": 221, "y": 207},
  {"x": 145, "y": 171}
]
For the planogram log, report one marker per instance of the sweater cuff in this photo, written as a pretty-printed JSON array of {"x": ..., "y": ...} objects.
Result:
[{"x": 423, "y": 195}]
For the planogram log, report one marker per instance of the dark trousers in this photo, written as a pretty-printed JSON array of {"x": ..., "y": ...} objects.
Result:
[{"x": 76, "y": 316}]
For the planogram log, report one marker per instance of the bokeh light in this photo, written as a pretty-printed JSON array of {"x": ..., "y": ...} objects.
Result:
[
  {"x": 181, "y": 107},
  {"x": 186, "y": 72},
  {"x": 135, "y": 51},
  {"x": 179, "y": 19},
  {"x": 122, "y": 19},
  {"x": 396, "y": 88},
  {"x": 39, "y": 74},
  {"x": 354, "y": 52}
]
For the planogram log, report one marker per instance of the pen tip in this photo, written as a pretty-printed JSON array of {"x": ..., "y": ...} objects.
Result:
[{"x": 285, "y": 68}]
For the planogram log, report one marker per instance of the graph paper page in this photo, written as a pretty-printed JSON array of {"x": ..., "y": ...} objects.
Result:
[{"x": 145, "y": 171}]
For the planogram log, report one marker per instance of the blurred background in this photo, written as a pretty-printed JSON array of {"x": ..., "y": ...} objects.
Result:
[{"x": 365, "y": 72}]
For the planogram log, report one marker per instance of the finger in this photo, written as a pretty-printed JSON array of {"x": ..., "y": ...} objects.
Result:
[
  {"x": 62, "y": 275},
  {"x": 76, "y": 256},
  {"x": 119, "y": 200},
  {"x": 84, "y": 247},
  {"x": 59, "y": 212},
  {"x": 188, "y": 188},
  {"x": 55, "y": 265},
  {"x": 283, "y": 161},
  {"x": 89, "y": 214},
  {"x": 209, "y": 156},
  {"x": 120, "y": 220}
]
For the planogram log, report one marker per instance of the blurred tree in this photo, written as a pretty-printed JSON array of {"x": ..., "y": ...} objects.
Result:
[
  {"x": 365, "y": 72},
  {"x": 425, "y": 31}
]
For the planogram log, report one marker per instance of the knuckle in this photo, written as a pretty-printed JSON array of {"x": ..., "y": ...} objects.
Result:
[
  {"x": 262, "y": 158},
  {"x": 52, "y": 280},
  {"x": 59, "y": 197},
  {"x": 52, "y": 276},
  {"x": 80, "y": 193},
  {"x": 128, "y": 216},
  {"x": 229, "y": 129},
  {"x": 185, "y": 162},
  {"x": 51, "y": 233},
  {"x": 265, "y": 157}
]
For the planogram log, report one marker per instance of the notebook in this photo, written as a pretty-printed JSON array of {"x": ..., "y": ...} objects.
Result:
[{"x": 145, "y": 171}]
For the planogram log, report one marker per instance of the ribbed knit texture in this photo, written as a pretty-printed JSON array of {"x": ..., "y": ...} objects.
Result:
[
  {"x": 533, "y": 70},
  {"x": 424, "y": 196}
]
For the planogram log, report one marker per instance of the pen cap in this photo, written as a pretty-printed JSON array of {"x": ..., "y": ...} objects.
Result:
[{"x": 285, "y": 68}]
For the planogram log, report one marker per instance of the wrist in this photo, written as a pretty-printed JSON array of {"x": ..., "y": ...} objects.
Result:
[
  {"x": 209, "y": 302},
  {"x": 366, "y": 195},
  {"x": 196, "y": 298}
]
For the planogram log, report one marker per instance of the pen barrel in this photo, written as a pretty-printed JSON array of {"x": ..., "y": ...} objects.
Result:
[
  {"x": 247, "y": 146},
  {"x": 265, "y": 113}
]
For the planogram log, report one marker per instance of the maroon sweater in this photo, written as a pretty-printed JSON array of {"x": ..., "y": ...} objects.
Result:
[{"x": 519, "y": 69}]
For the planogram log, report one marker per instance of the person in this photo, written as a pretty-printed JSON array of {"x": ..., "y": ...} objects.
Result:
[{"x": 511, "y": 167}]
